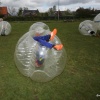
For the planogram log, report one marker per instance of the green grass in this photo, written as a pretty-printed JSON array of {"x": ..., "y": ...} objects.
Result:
[{"x": 80, "y": 79}]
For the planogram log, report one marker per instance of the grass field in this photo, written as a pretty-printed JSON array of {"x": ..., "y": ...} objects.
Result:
[{"x": 80, "y": 79}]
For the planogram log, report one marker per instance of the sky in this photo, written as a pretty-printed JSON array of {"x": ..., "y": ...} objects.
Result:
[{"x": 44, "y": 5}]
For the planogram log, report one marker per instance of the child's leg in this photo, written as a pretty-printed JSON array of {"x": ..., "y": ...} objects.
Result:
[
  {"x": 43, "y": 40},
  {"x": 45, "y": 43},
  {"x": 46, "y": 37}
]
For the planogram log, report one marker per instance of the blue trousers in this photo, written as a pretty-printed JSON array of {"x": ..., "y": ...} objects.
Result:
[{"x": 44, "y": 40}]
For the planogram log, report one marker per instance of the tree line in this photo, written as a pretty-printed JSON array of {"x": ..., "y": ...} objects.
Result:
[{"x": 53, "y": 14}]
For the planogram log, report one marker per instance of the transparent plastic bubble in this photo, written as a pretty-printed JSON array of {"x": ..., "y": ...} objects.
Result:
[
  {"x": 87, "y": 27},
  {"x": 5, "y": 28},
  {"x": 97, "y": 21},
  {"x": 27, "y": 53},
  {"x": 39, "y": 27}
]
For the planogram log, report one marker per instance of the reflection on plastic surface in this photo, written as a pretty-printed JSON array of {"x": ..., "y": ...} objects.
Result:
[
  {"x": 5, "y": 28},
  {"x": 38, "y": 62}
]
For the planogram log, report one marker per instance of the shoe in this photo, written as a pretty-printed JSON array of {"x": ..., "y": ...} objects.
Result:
[
  {"x": 53, "y": 33},
  {"x": 37, "y": 64},
  {"x": 58, "y": 47}
]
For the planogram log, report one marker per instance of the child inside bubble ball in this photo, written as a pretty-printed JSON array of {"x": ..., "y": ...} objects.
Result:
[{"x": 44, "y": 42}]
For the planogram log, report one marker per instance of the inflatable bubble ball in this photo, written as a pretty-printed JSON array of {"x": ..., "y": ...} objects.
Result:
[
  {"x": 88, "y": 28},
  {"x": 97, "y": 21},
  {"x": 1, "y": 19},
  {"x": 39, "y": 26},
  {"x": 28, "y": 52},
  {"x": 5, "y": 28}
]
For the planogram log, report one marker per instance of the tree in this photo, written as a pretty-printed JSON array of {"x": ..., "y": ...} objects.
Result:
[
  {"x": 20, "y": 11},
  {"x": 54, "y": 8},
  {"x": 66, "y": 12},
  {"x": 12, "y": 11},
  {"x": 25, "y": 8},
  {"x": 83, "y": 13},
  {"x": 52, "y": 11}
]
